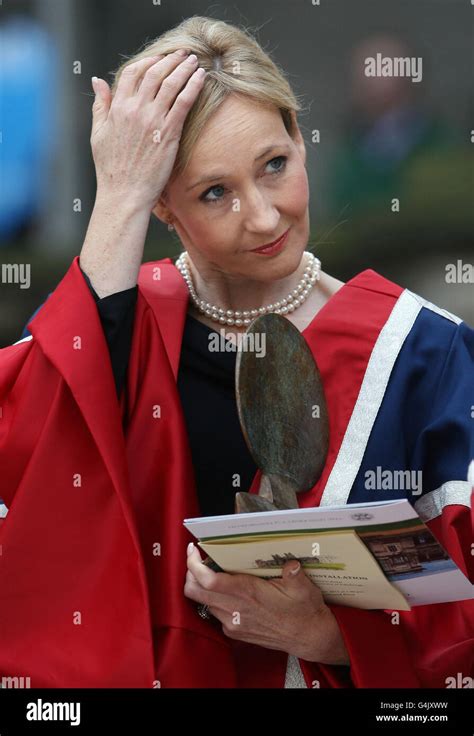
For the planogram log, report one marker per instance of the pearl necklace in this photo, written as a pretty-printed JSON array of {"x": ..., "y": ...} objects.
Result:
[{"x": 292, "y": 301}]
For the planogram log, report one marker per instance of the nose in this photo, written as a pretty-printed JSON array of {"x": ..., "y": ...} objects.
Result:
[{"x": 261, "y": 214}]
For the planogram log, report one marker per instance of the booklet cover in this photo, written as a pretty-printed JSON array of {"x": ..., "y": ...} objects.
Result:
[{"x": 378, "y": 555}]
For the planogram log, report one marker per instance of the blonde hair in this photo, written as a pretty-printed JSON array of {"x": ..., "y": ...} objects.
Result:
[{"x": 236, "y": 64}]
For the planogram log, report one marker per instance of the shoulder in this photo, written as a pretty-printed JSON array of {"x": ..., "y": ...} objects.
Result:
[
  {"x": 423, "y": 341},
  {"x": 436, "y": 330},
  {"x": 433, "y": 352},
  {"x": 412, "y": 312}
]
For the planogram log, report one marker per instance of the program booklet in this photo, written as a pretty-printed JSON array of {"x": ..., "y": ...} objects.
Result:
[{"x": 376, "y": 556}]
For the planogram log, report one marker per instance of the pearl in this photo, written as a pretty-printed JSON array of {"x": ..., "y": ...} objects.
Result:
[{"x": 292, "y": 301}]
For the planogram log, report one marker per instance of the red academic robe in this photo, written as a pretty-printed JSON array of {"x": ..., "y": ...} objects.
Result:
[{"x": 93, "y": 550}]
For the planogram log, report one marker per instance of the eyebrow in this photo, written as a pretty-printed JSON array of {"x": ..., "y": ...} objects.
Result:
[{"x": 218, "y": 175}]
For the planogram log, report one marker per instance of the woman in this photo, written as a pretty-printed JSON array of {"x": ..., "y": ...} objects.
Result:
[{"x": 93, "y": 561}]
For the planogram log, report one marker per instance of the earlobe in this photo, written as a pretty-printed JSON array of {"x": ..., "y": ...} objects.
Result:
[{"x": 161, "y": 211}]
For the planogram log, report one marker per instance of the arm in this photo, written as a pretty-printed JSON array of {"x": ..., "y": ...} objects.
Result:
[
  {"x": 132, "y": 171},
  {"x": 116, "y": 313},
  {"x": 133, "y": 164}
]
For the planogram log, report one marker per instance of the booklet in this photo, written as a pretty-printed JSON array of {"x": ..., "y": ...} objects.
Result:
[{"x": 378, "y": 555}]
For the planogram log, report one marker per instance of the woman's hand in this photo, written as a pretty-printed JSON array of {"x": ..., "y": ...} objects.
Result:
[
  {"x": 288, "y": 614},
  {"x": 135, "y": 136},
  {"x": 135, "y": 139}
]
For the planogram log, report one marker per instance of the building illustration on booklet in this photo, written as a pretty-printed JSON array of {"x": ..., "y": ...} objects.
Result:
[
  {"x": 278, "y": 560},
  {"x": 414, "y": 550}
]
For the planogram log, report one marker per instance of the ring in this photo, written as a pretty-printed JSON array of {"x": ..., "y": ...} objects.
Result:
[{"x": 203, "y": 610}]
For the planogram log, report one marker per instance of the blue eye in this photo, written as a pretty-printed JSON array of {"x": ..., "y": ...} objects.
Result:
[
  {"x": 283, "y": 160},
  {"x": 203, "y": 197},
  {"x": 208, "y": 191}
]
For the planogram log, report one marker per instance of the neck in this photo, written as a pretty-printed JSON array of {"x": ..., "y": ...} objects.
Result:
[{"x": 239, "y": 293}]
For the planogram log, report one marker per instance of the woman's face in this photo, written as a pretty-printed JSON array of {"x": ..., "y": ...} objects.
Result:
[{"x": 244, "y": 186}]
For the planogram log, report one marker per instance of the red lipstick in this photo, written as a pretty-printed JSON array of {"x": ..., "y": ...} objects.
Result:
[{"x": 271, "y": 249}]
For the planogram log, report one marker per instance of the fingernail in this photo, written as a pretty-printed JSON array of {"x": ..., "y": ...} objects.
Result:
[
  {"x": 295, "y": 570},
  {"x": 183, "y": 52},
  {"x": 190, "y": 548},
  {"x": 93, "y": 81}
]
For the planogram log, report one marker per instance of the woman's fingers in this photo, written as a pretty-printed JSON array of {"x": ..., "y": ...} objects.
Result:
[
  {"x": 124, "y": 140},
  {"x": 174, "y": 82},
  {"x": 131, "y": 77},
  {"x": 185, "y": 100},
  {"x": 201, "y": 573},
  {"x": 222, "y": 583},
  {"x": 198, "y": 594},
  {"x": 101, "y": 106},
  {"x": 156, "y": 75}
]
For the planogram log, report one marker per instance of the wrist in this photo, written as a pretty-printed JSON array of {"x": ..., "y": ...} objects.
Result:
[
  {"x": 112, "y": 251},
  {"x": 121, "y": 205}
]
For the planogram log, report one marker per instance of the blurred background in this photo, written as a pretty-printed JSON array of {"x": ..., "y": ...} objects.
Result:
[{"x": 370, "y": 140}]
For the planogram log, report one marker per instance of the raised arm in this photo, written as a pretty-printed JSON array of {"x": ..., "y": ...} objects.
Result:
[{"x": 135, "y": 138}]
